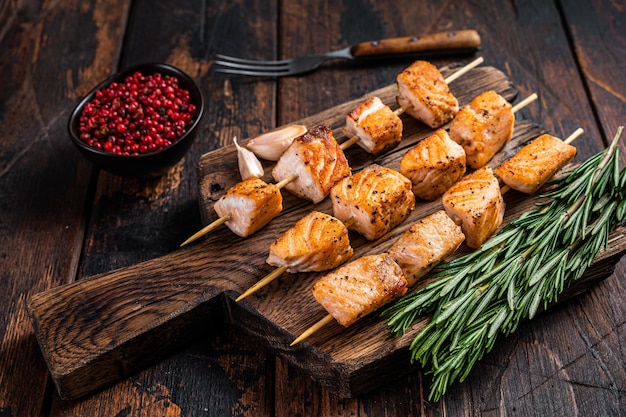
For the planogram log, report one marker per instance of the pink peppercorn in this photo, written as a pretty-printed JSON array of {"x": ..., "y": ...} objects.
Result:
[{"x": 143, "y": 114}]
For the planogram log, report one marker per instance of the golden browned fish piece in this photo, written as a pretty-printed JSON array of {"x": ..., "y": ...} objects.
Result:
[
  {"x": 251, "y": 204},
  {"x": 360, "y": 287},
  {"x": 317, "y": 160},
  {"x": 476, "y": 202},
  {"x": 377, "y": 126},
  {"x": 483, "y": 127},
  {"x": 433, "y": 165},
  {"x": 425, "y": 244},
  {"x": 423, "y": 89},
  {"x": 535, "y": 163},
  {"x": 378, "y": 198},
  {"x": 317, "y": 242}
]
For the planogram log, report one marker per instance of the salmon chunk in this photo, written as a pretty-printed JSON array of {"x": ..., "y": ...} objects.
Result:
[
  {"x": 377, "y": 126},
  {"x": 251, "y": 204},
  {"x": 433, "y": 165},
  {"x": 425, "y": 244},
  {"x": 360, "y": 287},
  {"x": 378, "y": 198},
  {"x": 483, "y": 127},
  {"x": 318, "y": 162},
  {"x": 476, "y": 202},
  {"x": 423, "y": 91},
  {"x": 317, "y": 242},
  {"x": 529, "y": 169}
]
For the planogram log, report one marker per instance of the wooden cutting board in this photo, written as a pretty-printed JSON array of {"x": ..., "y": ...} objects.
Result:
[{"x": 100, "y": 329}]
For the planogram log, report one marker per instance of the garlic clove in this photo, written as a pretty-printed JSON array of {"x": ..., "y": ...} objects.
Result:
[
  {"x": 249, "y": 165},
  {"x": 271, "y": 145}
]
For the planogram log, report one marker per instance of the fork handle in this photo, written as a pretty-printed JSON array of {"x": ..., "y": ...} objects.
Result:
[{"x": 461, "y": 39}]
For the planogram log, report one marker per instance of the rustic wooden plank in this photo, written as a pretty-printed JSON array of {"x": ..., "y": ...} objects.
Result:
[
  {"x": 598, "y": 360},
  {"x": 334, "y": 26},
  {"x": 144, "y": 310},
  {"x": 595, "y": 29},
  {"x": 570, "y": 358},
  {"x": 340, "y": 25},
  {"x": 134, "y": 220},
  {"x": 529, "y": 43},
  {"x": 44, "y": 183}
]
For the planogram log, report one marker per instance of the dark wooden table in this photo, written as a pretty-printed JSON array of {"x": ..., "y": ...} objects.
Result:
[{"x": 61, "y": 219}]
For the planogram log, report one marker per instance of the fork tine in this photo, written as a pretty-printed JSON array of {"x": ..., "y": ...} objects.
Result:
[
  {"x": 251, "y": 67},
  {"x": 268, "y": 74},
  {"x": 257, "y": 73},
  {"x": 231, "y": 61}
]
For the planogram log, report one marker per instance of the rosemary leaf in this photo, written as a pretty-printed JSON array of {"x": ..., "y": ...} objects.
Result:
[{"x": 525, "y": 266}]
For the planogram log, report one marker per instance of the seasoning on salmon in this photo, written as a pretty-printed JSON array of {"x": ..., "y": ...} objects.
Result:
[
  {"x": 529, "y": 169},
  {"x": 433, "y": 165},
  {"x": 359, "y": 287},
  {"x": 376, "y": 125},
  {"x": 476, "y": 202},
  {"x": 425, "y": 244},
  {"x": 317, "y": 242},
  {"x": 425, "y": 94},
  {"x": 250, "y": 204},
  {"x": 483, "y": 127},
  {"x": 318, "y": 162},
  {"x": 378, "y": 198}
]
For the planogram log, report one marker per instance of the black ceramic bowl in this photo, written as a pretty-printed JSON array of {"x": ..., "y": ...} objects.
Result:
[{"x": 145, "y": 165}]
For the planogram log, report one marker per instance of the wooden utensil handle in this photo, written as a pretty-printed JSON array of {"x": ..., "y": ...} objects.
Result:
[{"x": 462, "y": 39}]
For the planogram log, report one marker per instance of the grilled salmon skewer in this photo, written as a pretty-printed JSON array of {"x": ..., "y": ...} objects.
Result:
[
  {"x": 533, "y": 165},
  {"x": 476, "y": 200},
  {"x": 371, "y": 202},
  {"x": 377, "y": 198},
  {"x": 423, "y": 93},
  {"x": 373, "y": 126},
  {"x": 317, "y": 161},
  {"x": 363, "y": 122},
  {"x": 246, "y": 207},
  {"x": 317, "y": 242},
  {"x": 356, "y": 289},
  {"x": 426, "y": 243},
  {"x": 365, "y": 284},
  {"x": 484, "y": 126},
  {"x": 438, "y": 161},
  {"x": 310, "y": 166},
  {"x": 437, "y": 236}
]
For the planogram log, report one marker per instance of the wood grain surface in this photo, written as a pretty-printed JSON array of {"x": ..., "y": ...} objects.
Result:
[
  {"x": 99, "y": 330},
  {"x": 62, "y": 220}
]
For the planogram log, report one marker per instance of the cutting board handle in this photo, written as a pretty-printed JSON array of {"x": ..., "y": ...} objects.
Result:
[{"x": 97, "y": 330}]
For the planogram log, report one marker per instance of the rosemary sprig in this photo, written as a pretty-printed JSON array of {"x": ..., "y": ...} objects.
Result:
[{"x": 523, "y": 268}]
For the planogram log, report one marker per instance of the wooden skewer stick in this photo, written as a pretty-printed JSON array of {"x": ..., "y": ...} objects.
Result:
[
  {"x": 276, "y": 273},
  {"x": 345, "y": 145},
  {"x": 465, "y": 69},
  {"x": 524, "y": 103},
  {"x": 217, "y": 223},
  {"x": 329, "y": 318},
  {"x": 574, "y": 135},
  {"x": 206, "y": 229},
  {"x": 448, "y": 80},
  {"x": 286, "y": 181},
  {"x": 567, "y": 140},
  {"x": 404, "y": 108},
  {"x": 308, "y": 332},
  {"x": 263, "y": 282}
]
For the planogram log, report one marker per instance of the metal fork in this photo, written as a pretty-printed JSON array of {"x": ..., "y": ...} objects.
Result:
[{"x": 458, "y": 42}]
